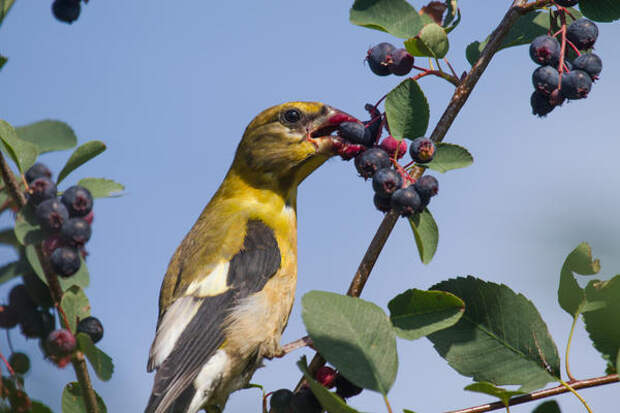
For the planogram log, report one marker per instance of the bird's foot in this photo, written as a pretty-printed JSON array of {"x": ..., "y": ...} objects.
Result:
[{"x": 293, "y": 345}]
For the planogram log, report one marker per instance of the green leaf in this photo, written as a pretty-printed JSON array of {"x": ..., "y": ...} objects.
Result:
[
  {"x": 80, "y": 278},
  {"x": 7, "y": 237},
  {"x": 501, "y": 338},
  {"x": 417, "y": 313},
  {"x": 330, "y": 401},
  {"x": 396, "y": 17},
  {"x": 550, "y": 406},
  {"x": 48, "y": 135},
  {"x": 100, "y": 361},
  {"x": 38, "y": 407},
  {"x": 355, "y": 336},
  {"x": 101, "y": 187},
  {"x": 432, "y": 41},
  {"x": 22, "y": 152},
  {"x": 570, "y": 295},
  {"x": 75, "y": 305},
  {"x": 73, "y": 402},
  {"x": 453, "y": 16},
  {"x": 603, "y": 324},
  {"x": 407, "y": 110},
  {"x": 12, "y": 270},
  {"x": 492, "y": 390},
  {"x": 426, "y": 234},
  {"x": 449, "y": 156},
  {"x": 81, "y": 155},
  {"x": 408, "y": 411},
  {"x": 600, "y": 10},
  {"x": 3, "y": 60},
  {"x": 27, "y": 229}
]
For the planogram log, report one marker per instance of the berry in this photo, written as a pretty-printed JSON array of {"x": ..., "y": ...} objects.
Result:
[
  {"x": 540, "y": 104},
  {"x": 377, "y": 58},
  {"x": 304, "y": 401},
  {"x": 390, "y": 144},
  {"x": 20, "y": 402},
  {"x": 51, "y": 243},
  {"x": 51, "y": 214},
  {"x": 20, "y": 299},
  {"x": 60, "y": 343},
  {"x": 280, "y": 401},
  {"x": 42, "y": 189},
  {"x": 36, "y": 323},
  {"x": 383, "y": 204},
  {"x": 556, "y": 98},
  {"x": 566, "y": 3},
  {"x": 589, "y": 63},
  {"x": 65, "y": 261},
  {"x": 400, "y": 62},
  {"x": 370, "y": 161},
  {"x": 8, "y": 316},
  {"x": 355, "y": 133},
  {"x": 91, "y": 326},
  {"x": 90, "y": 217},
  {"x": 37, "y": 170},
  {"x": 38, "y": 290},
  {"x": 546, "y": 79},
  {"x": 545, "y": 50},
  {"x": 346, "y": 389},
  {"x": 76, "y": 232},
  {"x": 576, "y": 84},
  {"x": 373, "y": 127},
  {"x": 427, "y": 187},
  {"x": 326, "y": 376},
  {"x": 78, "y": 200},
  {"x": 19, "y": 362},
  {"x": 406, "y": 201},
  {"x": 582, "y": 33},
  {"x": 422, "y": 150},
  {"x": 386, "y": 181},
  {"x": 66, "y": 11}
]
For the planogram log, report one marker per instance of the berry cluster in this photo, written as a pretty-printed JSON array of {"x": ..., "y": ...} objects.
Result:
[
  {"x": 559, "y": 76},
  {"x": 384, "y": 59},
  {"x": 304, "y": 401},
  {"x": 67, "y": 11}
]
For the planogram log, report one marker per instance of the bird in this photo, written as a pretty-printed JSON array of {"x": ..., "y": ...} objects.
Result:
[{"x": 229, "y": 288}]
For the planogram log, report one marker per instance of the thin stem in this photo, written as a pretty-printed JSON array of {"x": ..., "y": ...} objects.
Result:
[
  {"x": 541, "y": 394},
  {"x": 11, "y": 183},
  {"x": 570, "y": 339},
  {"x": 8, "y": 365},
  {"x": 570, "y": 389},
  {"x": 387, "y": 404},
  {"x": 445, "y": 59}
]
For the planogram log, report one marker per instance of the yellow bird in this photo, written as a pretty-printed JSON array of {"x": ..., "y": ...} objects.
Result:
[{"x": 229, "y": 288}]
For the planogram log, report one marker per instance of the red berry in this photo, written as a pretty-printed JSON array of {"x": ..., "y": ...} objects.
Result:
[
  {"x": 390, "y": 144},
  {"x": 60, "y": 344},
  {"x": 326, "y": 376}
]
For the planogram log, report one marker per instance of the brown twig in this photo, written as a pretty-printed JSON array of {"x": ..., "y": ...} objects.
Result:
[
  {"x": 79, "y": 365},
  {"x": 541, "y": 394}
]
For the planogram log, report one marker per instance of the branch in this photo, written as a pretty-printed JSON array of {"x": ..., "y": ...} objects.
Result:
[
  {"x": 79, "y": 365},
  {"x": 541, "y": 394}
]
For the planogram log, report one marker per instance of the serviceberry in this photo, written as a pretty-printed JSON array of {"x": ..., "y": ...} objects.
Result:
[
  {"x": 9, "y": 317},
  {"x": 91, "y": 326},
  {"x": 20, "y": 402},
  {"x": 383, "y": 204},
  {"x": 51, "y": 214},
  {"x": 20, "y": 299},
  {"x": 36, "y": 323},
  {"x": 377, "y": 58},
  {"x": 37, "y": 170},
  {"x": 75, "y": 232},
  {"x": 65, "y": 261},
  {"x": 400, "y": 62},
  {"x": 390, "y": 144},
  {"x": 38, "y": 290},
  {"x": 386, "y": 181},
  {"x": 19, "y": 362},
  {"x": 589, "y": 63},
  {"x": 66, "y": 11},
  {"x": 78, "y": 200},
  {"x": 406, "y": 201},
  {"x": 373, "y": 127},
  {"x": 422, "y": 150},
  {"x": 546, "y": 79},
  {"x": 355, "y": 133},
  {"x": 576, "y": 84},
  {"x": 280, "y": 401},
  {"x": 582, "y": 33},
  {"x": 427, "y": 187},
  {"x": 60, "y": 343},
  {"x": 304, "y": 401},
  {"x": 346, "y": 389},
  {"x": 42, "y": 189},
  {"x": 545, "y": 50},
  {"x": 370, "y": 161},
  {"x": 540, "y": 104},
  {"x": 326, "y": 376}
]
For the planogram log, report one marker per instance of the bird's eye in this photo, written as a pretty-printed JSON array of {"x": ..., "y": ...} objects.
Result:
[{"x": 292, "y": 115}]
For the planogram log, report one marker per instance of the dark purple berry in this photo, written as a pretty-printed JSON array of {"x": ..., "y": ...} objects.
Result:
[
  {"x": 75, "y": 232},
  {"x": 400, "y": 62},
  {"x": 42, "y": 189},
  {"x": 383, "y": 204},
  {"x": 60, "y": 343},
  {"x": 582, "y": 33},
  {"x": 589, "y": 63},
  {"x": 304, "y": 401},
  {"x": 66, "y": 11},
  {"x": 91, "y": 326},
  {"x": 38, "y": 290},
  {"x": 280, "y": 401},
  {"x": 546, "y": 79},
  {"x": 545, "y": 50},
  {"x": 51, "y": 214},
  {"x": 541, "y": 105},
  {"x": 427, "y": 187},
  {"x": 9, "y": 317},
  {"x": 377, "y": 58},
  {"x": 391, "y": 145},
  {"x": 37, "y": 170},
  {"x": 36, "y": 324},
  {"x": 346, "y": 389},
  {"x": 566, "y": 3},
  {"x": 556, "y": 98},
  {"x": 355, "y": 133},
  {"x": 20, "y": 402},
  {"x": 19, "y": 362},
  {"x": 370, "y": 161},
  {"x": 422, "y": 150},
  {"x": 576, "y": 84},
  {"x": 78, "y": 200},
  {"x": 20, "y": 299},
  {"x": 386, "y": 181},
  {"x": 406, "y": 201},
  {"x": 65, "y": 261},
  {"x": 373, "y": 127}
]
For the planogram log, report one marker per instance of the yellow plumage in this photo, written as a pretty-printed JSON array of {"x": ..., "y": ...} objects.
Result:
[{"x": 228, "y": 291}]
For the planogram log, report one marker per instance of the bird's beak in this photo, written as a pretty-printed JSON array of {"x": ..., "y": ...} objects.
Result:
[{"x": 322, "y": 134}]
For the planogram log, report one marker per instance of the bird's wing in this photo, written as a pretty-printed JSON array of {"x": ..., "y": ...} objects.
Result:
[{"x": 192, "y": 328}]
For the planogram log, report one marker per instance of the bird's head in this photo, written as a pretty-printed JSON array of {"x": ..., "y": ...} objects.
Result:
[{"x": 287, "y": 142}]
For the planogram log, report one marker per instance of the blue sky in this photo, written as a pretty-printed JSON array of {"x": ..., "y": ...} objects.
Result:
[{"x": 170, "y": 87}]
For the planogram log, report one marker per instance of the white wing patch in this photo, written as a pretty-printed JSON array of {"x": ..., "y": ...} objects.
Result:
[
  {"x": 213, "y": 284},
  {"x": 208, "y": 379}
]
